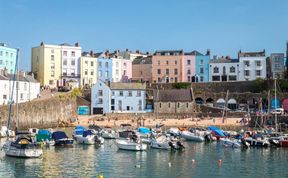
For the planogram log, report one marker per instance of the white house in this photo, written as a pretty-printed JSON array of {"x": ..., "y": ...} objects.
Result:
[
  {"x": 118, "y": 97},
  {"x": 252, "y": 65},
  {"x": 223, "y": 69},
  {"x": 28, "y": 88},
  {"x": 116, "y": 69}
]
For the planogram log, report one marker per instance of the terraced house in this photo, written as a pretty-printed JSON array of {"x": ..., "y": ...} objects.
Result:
[{"x": 8, "y": 57}]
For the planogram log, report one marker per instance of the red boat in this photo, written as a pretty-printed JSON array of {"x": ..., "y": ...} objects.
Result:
[{"x": 283, "y": 141}]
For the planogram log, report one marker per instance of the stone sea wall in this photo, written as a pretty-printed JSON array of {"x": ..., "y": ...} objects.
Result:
[{"x": 41, "y": 114}]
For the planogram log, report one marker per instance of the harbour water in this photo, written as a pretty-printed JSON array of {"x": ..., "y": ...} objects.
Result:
[{"x": 91, "y": 161}]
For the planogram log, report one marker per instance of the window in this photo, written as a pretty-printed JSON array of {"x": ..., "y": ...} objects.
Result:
[
  {"x": 167, "y": 71},
  {"x": 4, "y": 97},
  {"x": 139, "y": 105},
  {"x": 130, "y": 93},
  {"x": 187, "y": 105},
  {"x": 120, "y": 93},
  {"x": 100, "y": 101},
  {"x": 11, "y": 55},
  {"x": 52, "y": 57},
  {"x": 7, "y": 54},
  {"x": 258, "y": 63},
  {"x": 258, "y": 72},
  {"x": 21, "y": 96},
  {"x": 52, "y": 51},
  {"x": 99, "y": 64},
  {"x": 1, "y": 53},
  {"x": 124, "y": 72},
  {"x": 178, "y": 105},
  {"x": 202, "y": 62},
  {"x": 120, "y": 105},
  {"x": 112, "y": 101},
  {"x": 215, "y": 78},
  {"x": 158, "y": 63},
  {"x": 167, "y": 63},
  {"x": 1, "y": 62},
  {"x": 92, "y": 72},
  {"x": 117, "y": 64},
  {"x": 175, "y": 62},
  {"x": 52, "y": 66},
  {"x": 201, "y": 70},
  {"x": 138, "y": 93},
  {"x": 159, "y": 79},
  {"x": 160, "y": 105},
  {"x": 64, "y": 72},
  {"x": 158, "y": 71},
  {"x": 176, "y": 79},
  {"x": 232, "y": 69},
  {"x": 92, "y": 63},
  {"x": 201, "y": 78},
  {"x": 86, "y": 63},
  {"x": 189, "y": 79},
  {"x": 169, "y": 105},
  {"x": 106, "y": 64},
  {"x": 117, "y": 72},
  {"x": 106, "y": 74},
  {"x": 124, "y": 64},
  {"x": 11, "y": 63},
  {"x": 100, "y": 92},
  {"x": 246, "y": 63},
  {"x": 73, "y": 53},
  {"x": 175, "y": 71},
  {"x": 113, "y": 93},
  {"x": 65, "y": 62},
  {"x": 188, "y": 71},
  {"x": 188, "y": 62},
  {"x": 215, "y": 70},
  {"x": 64, "y": 53},
  {"x": 86, "y": 71},
  {"x": 73, "y": 72},
  {"x": 100, "y": 73},
  {"x": 73, "y": 62},
  {"x": 52, "y": 73},
  {"x": 247, "y": 73},
  {"x": 51, "y": 82},
  {"x": 224, "y": 70},
  {"x": 232, "y": 78}
]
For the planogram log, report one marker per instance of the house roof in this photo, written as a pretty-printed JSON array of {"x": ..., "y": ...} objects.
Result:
[
  {"x": 224, "y": 60},
  {"x": 173, "y": 95},
  {"x": 251, "y": 54},
  {"x": 142, "y": 60},
  {"x": 30, "y": 78},
  {"x": 171, "y": 52},
  {"x": 127, "y": 86},
  {"x": 194, "y": 53}
]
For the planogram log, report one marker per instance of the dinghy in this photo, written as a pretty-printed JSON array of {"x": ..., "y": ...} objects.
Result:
[{"x": 192, "y": 136}]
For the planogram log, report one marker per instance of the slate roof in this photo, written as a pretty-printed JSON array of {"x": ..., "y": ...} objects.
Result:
[
  {"x": 142, "y": 60},
  {"x": 223, "y": 60},
  {"x": 251, "y": 54},
  {"x": 172, "y": 52},
  {"x": 173, "y": 95},
  {"x": 27, "y": 78},
  {"x": 127, "y": 86},
  {"x": 194, "y": 53}
]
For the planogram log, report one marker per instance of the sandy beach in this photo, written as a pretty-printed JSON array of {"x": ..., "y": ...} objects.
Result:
[{"x": 148, "y": 122}]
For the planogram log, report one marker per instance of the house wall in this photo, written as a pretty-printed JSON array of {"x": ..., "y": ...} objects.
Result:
[
  {"x": 174, "y": 62},
  {"x": 8, "y": 58},
  {"x": 174, "y": 107},
  {"x": 186, "y": 77},
  {"x": 142, "y": 71},
  {"x": 96, "y": 97},
  {"x": 252, "y": 68},
  {"x": 104, "y": 71},
  {"x": 116, "y": 69},
  {"x": 88, "y": 65},
  {"x": 202, "y": 62},
  {"x": 221, "y": 73},
  {"x": 126, "y": 70}
]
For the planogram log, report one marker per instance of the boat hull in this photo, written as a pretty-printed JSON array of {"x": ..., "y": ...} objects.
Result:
[
  {"x": 192, "y": 137},
  {"x": 13, "y": 151},
  {"x": 131, "y": 146}
]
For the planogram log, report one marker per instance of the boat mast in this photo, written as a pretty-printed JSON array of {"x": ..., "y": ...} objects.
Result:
[
  {"x": 276, "y": 127},
  {"x": 17, "y": 89}
]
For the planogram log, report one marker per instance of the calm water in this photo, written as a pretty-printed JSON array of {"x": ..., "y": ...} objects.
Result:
[{"x": 90, "y": 161}]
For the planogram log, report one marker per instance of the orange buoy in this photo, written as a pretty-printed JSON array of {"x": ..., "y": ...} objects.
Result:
[{"x": 219, "y": 162}]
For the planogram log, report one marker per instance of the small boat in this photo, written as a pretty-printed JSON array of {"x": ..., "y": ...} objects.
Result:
[
  {"x": 61, "y": 139},
  {"x": 45, "y": 136},
  {"x": 22, "y": 147},
  {"x": 5, "y": 132},
  {"x": 166, "y": 143},
  {"x": 230, "y": 143},
  {"x": 126, "y": 134},
  {"x": 88, "y": 138},
  {"x": 131, "y": 145},
  {"x": 192, "y": 136},
  {"x": 257, "y": 141},
  {"x": 283, "y": 141}
]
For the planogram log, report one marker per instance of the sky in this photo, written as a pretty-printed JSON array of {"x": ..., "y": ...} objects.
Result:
[{"x": 224, "y": 26}]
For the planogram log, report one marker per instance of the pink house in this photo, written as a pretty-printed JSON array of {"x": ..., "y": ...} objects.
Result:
[
  {"x": 126, "y": 70},
  {"x": 188, "y": 67}
]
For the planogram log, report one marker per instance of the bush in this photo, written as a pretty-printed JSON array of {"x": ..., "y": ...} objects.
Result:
[{"x": 181, "y": 85}]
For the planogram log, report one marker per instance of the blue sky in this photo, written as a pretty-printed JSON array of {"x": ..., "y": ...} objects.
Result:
[{"x": 224, "y": 26}]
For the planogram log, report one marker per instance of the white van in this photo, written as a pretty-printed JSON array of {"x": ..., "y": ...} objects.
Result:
[{"x": 278, "y": 111}]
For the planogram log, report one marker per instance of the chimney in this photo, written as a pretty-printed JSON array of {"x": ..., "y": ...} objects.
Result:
[
  {"x": 42, "y": 43},
  {"x": 138, "y": 51},
  {"x": 5, "y": 72},
  {"x": 91, "y": 53},
  {"x": 147, "y": 53},
  {"x": 208, "y": 52},
  {"x": 127, "y": 49},
  {"x": 107, "y": 53},
  {"x": 77, "y": 44}
]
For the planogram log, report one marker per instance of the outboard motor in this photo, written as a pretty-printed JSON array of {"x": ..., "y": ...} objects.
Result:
[
  {"x": 172, "y": 145},
  {"x": 180, "y": 144},
  {"x": 244, "y": 143},
  {"x": 208, "y": 138},
  {"x": 274, "y": 142}
]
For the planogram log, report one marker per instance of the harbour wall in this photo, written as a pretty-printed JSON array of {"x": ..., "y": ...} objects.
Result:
[{"x": 46, "y": 113}]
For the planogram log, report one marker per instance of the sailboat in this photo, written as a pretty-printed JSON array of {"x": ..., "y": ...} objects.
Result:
[{"x": 23, "y": 146}]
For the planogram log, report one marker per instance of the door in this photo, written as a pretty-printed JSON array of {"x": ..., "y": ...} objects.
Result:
[{"x": 97, "y": 110}]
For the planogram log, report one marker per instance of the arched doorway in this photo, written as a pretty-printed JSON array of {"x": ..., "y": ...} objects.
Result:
[
  {"x": 199, "y": 100},
  {"x": 220, "y": 103},
  {"x": 232, "y": 104},
  {"x": 210, "y": 102}
]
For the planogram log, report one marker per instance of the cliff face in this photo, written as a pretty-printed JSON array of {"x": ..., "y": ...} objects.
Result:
[{"x": 41, "y": 114}]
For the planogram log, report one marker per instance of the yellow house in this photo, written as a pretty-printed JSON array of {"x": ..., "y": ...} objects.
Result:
[
  {"x": 88, "y": 69},
  {"x": 56, "y": 65},
  {"x": 46, "y": 64}
]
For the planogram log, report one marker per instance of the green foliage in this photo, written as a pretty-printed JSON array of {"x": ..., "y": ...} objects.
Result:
[
  {"x": 76, "y": 92},
  {"x": 283, "y": 85},
  {"x": 259, "y": 85},
  {"x": 181, "y": 85}
]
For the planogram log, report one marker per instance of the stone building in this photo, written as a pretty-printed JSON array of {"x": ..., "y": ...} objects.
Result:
[
  {"x": 173, "y": 101},
  {"x": 142, "y": 69}
]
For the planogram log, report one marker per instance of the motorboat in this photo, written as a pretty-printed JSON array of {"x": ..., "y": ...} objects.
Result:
[
  {"x": 257, "y": 141},
  {"x": 283, "y": 141},
  {"x": 131, "y": 145},
  {"x": 174, "y": 131},
  {"x": 144, "y": 134},
  {"x": 45, "y": 136},
  {"x": 61, "y": 139},
  {"x": 126, "y": 134},
  {"x": 166, "y": 143},
  {"x": 88, "y": 137},
  {"x": 230, "y": 143},
  {"x": 5, "y": 132},
  {"x": 22, "y": 147},
  {"x": 192, "y": 136}
]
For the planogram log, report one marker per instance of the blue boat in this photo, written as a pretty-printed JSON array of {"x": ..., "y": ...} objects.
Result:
[
  {"x": 217, "y": 132},
  {"x": 61, "y": 139}
]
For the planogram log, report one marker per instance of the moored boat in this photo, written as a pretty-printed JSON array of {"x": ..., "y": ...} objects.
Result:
[
  {"x": 131, "y": 145},
  {"x": 61, "y": 139},
  {"x": 192, "y": 136}
]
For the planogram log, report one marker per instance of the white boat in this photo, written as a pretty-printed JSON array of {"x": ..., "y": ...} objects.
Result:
[
  {"x": 230, "y": 143},
  {"x": 130, "y": 145},
  {"x": 87, "y": 137},
  {"x": 108, "y": 133},
  {"x": 5, "y": 132},
  {"x": 192, "y": 136},
  {"x": 161, "y": 142},
  {"x": 22, "y": 147}
]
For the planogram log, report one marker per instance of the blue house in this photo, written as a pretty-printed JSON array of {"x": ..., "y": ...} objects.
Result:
[
  {"x": 202, "y": 67},
  {"x": 7, "y": 58},
  {"x": 104, "y": 69}
]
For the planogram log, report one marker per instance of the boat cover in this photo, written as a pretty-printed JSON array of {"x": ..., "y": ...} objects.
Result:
[
  {"x": 79, "y": 130},
  {"x": 217, "y": 131},
  {"x": 87, "y": 132},
  {"x": 44, "y": 132},
  {"x": 59, "y": 135},
  {"x": 144, "y": 130}
]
